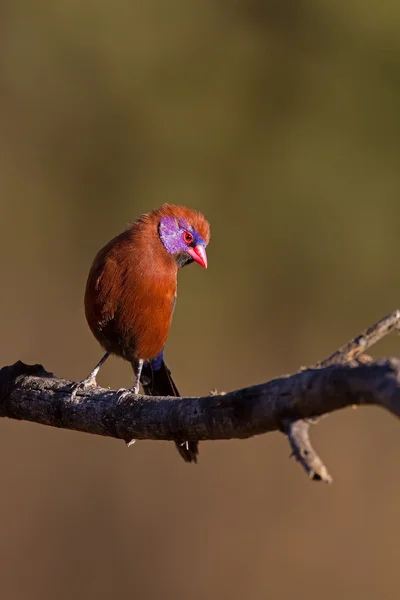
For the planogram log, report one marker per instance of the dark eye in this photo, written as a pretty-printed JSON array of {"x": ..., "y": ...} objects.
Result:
[{"x": 188, "y": 237}]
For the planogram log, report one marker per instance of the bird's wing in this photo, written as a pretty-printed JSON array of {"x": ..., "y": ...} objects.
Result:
[{"x": 108, "y": 287}]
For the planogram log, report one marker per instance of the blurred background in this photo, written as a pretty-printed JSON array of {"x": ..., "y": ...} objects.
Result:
[{"x": 280, "y": 121}]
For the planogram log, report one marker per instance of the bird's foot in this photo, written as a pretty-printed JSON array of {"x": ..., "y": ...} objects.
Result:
[
  {"x": 86, "y": 384},
  {"x": 122, "y": 392}
]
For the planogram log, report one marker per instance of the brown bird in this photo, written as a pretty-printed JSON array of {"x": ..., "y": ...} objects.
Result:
[{"x": 131, "y": 292}]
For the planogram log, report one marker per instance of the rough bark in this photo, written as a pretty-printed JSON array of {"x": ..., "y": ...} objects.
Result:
[{"x": 288, "y": 403}]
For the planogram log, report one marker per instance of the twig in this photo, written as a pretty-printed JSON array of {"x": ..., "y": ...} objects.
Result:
[
  {"x": 360, "y": 344},
  {"x": 299, "y": 440}
]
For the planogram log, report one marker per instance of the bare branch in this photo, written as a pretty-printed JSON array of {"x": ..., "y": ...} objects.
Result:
[
  {"x": 297, "y": 431},
  {"x": 286, "y": 404}
]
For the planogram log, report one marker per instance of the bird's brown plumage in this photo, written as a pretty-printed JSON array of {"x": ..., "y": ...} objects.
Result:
[{"x": 131, "y": 288}]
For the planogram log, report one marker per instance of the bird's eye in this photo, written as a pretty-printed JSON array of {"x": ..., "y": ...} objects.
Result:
[{"x": 188, "y": 237}]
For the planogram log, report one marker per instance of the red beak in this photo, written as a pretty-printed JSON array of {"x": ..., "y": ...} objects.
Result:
[{"x": 198, "y": 253}]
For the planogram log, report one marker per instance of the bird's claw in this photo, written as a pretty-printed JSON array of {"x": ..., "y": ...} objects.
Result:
[
  {"x": 122, "y": 392},
  {"x": 84, "y": 385}
]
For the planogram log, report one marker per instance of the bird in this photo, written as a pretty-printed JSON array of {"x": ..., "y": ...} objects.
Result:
[{"x": 131, "y": 293}]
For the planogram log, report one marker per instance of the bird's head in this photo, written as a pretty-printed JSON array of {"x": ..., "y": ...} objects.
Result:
[{"x": 185, "y": 234}]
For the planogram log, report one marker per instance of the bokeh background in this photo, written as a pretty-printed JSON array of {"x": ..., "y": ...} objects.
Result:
[{"x": 280, "y": 121}]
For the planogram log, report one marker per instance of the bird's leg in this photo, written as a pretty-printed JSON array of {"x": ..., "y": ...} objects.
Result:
[
  {"x": 137, "y": 371},
  {"x": 90, "y": 380}
]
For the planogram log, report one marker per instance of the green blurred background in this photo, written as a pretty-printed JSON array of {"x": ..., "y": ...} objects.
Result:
[{"x": 280, "y": 121}]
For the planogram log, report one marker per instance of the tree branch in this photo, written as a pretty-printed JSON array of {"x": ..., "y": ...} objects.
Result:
[{"x": 344, "y": 379}]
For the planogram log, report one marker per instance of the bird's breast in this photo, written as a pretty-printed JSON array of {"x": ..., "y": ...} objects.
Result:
[{"x": 151, "y": 320}]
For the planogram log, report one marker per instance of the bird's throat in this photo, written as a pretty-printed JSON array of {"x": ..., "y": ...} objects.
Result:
[{"x": 182, "y": 259}]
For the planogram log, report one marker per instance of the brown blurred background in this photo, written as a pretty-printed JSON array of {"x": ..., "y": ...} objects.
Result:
[{"x": 279, "y": 120}]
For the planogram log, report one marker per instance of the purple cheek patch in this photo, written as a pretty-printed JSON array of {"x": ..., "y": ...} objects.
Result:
[{"x": 171, "y": 234}]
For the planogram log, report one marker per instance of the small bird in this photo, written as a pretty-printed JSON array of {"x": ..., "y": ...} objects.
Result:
[{"x": 131, "y": 293}]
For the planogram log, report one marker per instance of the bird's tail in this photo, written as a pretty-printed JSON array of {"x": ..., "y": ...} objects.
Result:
[{"x": 159, "y": 382}]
